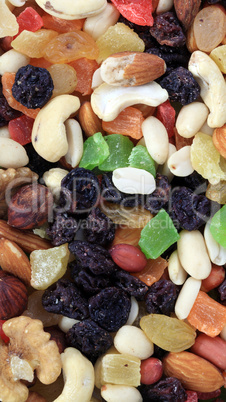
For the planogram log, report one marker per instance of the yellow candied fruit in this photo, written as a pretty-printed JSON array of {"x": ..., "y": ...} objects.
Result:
[
  {"x": 32, "y": 44},
  {"x": 47, "y": 266},
  {"x": 118, "y": 38},
  {"x": 64, "y": 78},
  {"x": 168, "y": 333},
  {"x": 217, "y": 192},
  {"x": 8, "y": 23},
  {"x": 219, "y": 56},
  {"x": 205, "y": 158}
]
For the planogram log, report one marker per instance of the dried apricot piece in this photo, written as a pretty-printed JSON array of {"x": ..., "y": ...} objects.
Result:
[
  {"x": 207, "y": 315},
  {"x": 85, "y": 69},
  {"x": 153, "y": 271},
  {"x": 40, "y": 62},
  {"x": 71, "y": 46},
  {"x": 7, "y": 83},
  {"x": 60, "y": 25},
  {"x": 128, "y": 122}
]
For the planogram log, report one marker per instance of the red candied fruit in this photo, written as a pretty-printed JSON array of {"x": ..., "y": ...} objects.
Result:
[
  {"x": 166, "y": 114},
  {"x": 20, "y": 129},
  {"x": 137, "y": 11},
  {"x": 2, "y": 333},
  {"x": 30, "y": 20}
]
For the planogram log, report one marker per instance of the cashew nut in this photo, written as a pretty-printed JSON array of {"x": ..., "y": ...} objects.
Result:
[
  {"x": 72, "y": 9},
  {"x": 213, "y": 87},
  {"x": 49, "y": 134},
  {"x": 78, "y": 373},
  {"x": 17, "y": 3},
  {"x": 108, "y": 101}
]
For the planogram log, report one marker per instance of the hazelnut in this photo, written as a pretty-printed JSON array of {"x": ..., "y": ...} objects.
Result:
[
  {"x": 58, "y": 336},
  {"x": 30, "y": 206},
  {"x": 13, "y": 296}
]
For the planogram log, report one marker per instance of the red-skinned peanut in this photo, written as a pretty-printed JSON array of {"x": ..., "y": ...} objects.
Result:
[
  {"x": 151, "y": 370},
  {"x": 212, "y": 349},
  {"x": 128, "y": 257},
  {"x": 214, "y": 279}
]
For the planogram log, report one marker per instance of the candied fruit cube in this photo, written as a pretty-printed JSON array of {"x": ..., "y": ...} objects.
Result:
[{"x": 95, "y": 151}]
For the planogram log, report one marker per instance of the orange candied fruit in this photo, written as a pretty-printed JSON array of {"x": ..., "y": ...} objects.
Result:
[
  {"x": 125, "y": 234},
  {"x": 60, "y": 25},
  {"x": 153, "y": 271},
  {"x": 7, "y": 84},
  {"x": 128, "y": 123},
  {"x": 41, "y": 62},
  {"x": 85, "y": 69},
  {"x": 207, "y": 315}
]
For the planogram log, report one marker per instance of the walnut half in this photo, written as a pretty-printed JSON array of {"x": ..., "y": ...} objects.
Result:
[{"x": 29, "y": 349}]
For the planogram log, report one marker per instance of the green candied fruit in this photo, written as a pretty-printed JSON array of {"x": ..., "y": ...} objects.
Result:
[
  {"x": 141, "y": 159},
  {"x": 158, "y": 235},
  {"x": 95, "y": 152},
  {"x": 218, "y": 226},
  {"x": 120, "y": 148}
]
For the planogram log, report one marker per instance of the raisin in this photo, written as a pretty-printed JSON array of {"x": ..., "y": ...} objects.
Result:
[
  {"x": 130, "y": 284},
  {"x": 160, "y": 197},
  {"x": 189, "y": 209},
  {"x": 87, "y": 281},
  {"x": 168, "y": 390},
  {"x": 89, "y": 338},
  {"x": 111, "y": 194},
  {"x": 79, "y": 191},
  {"x": 159, "y": 352},
  {"x": 7, "y": 113},
  {"x": 62, "y": 229},
  {"x": 194, "y": 181},
  {"x": 110, "y": 308},
  {"x": 161, "y": 297},
  {"x": 173, "y": 56},
  {"x": 167, "y": 30},
  {"x": 63, "y": 297},
  {"x": 99, "y": 228},
  {"x": 92, "y": 256},
  {"x": 181, "y": 86},
  {"x": 33, "y": 86},
  {"x": 36, "y": 163},
  {"x": 142, "y": 31},
  {"x": 222, "y": 292}
]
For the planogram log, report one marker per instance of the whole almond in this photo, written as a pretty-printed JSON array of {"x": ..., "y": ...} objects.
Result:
[
  {"x": 89, "y": 121},
  {"x": 14, "y": 260},
  {"x": 219, "y": 140},
  {"x": 128, "y": 257},
  {"x": 194, "y": 372},
  {"x": 132, "y": 68},
  {"x": 186, "y": 11}
]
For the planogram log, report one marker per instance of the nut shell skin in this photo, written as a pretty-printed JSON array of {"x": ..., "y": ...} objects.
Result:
[
  {"x": 29, "y": 206},
  {"x": 13, "y": 296}
]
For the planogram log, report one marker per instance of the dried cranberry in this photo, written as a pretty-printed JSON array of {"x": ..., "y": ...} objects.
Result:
[
  {"x": 167, "y": 30},
  {"x": 79, "y": 191},
  {"x": 33, "y": 86},
  {"x": 89, "y": 338},
  {"x": 161, "y": 297},
  {"x": 110, "y": 308},
  {"x": 62, "y": 229},
  {"x": 99, "y": 228},
  {"x": 160, "y": 197},
  {"x": 63, "y": 297},
  {"x": 167, "y": 390},
  {"x": 181, "y": 86},
  {"x": 189, "y": 209},
  {"x": 130, "y": 284}
]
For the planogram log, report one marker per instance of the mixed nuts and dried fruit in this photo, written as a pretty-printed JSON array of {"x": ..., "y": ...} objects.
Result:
[{"x": 112, "y": 200}]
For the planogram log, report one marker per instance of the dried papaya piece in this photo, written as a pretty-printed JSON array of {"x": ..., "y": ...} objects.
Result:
[
  {"x": 60, "y": 25},
  {"x": 207, "y": 315},
  {"x": 128, "y": 122},
  {"x": 84, "y": 69},
  {"x": 153, "y": 271}
]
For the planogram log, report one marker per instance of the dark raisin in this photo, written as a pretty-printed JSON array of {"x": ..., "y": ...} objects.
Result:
[
  {"x": 205, "y": 396},
  {"x": 33, "y": 86},
  {"x": 130, "y": 284},
  {"x": 222, "y": 292},
  {"x": 63, "y": 297},
  {"x": 142, "y": 31},
  {"x": 79, "y": 191},
  {"x": 92, "y": 256},
  {"x": 62, "y": 229},
  {"x": 110, "y": 308},
  {"x": 99, "y": 228},
  {"x": 167, "y": 30},
  {"x": 111, "y": 194},
  {"x": 161, "y": 297},
  {"x": 194, "y": 181},
  {"x": 36, "y": 163},
  {"x": 89, "y": 338},
  {"x": 189, "y": 209},
  {"x": 181, "y": 86},
  {"x": 160, "y": 197},
  {"x": 213, "y": 1},
  {"x": 7, "y": 113},
  {"x": 173, "y": 56},
  {"x": 168, "y": 390},
  {"x": 159, "y": 352},
  {"x": 87, "y": 281}
]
